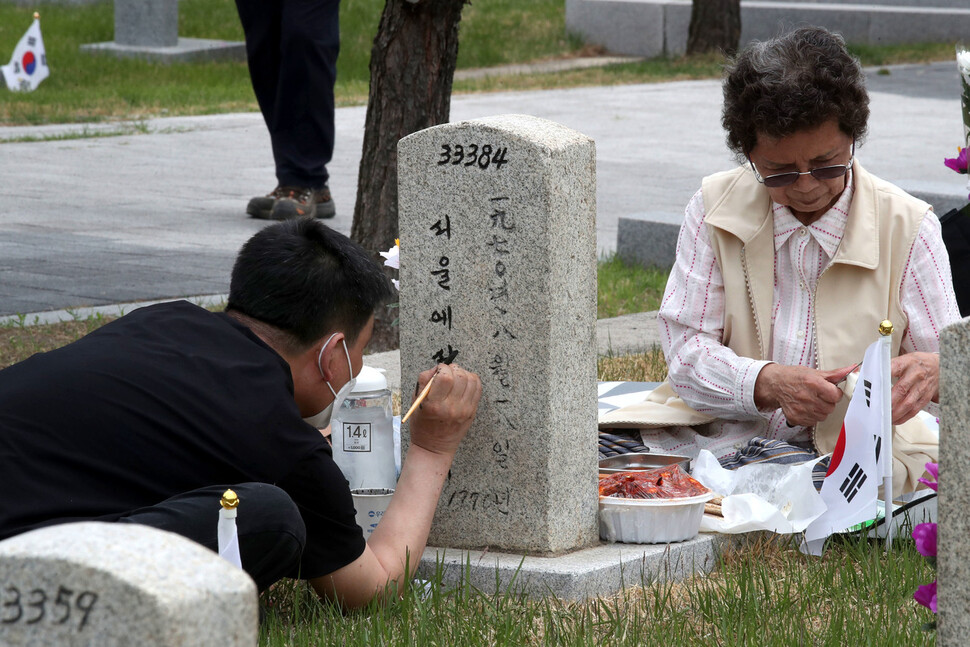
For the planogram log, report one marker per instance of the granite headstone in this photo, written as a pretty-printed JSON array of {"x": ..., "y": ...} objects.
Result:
[
  {"x": 953, "y": 584},
  {"x": 148, "y": 29},
  {"x": 147, "y": 23},
  {"x": 498, "y": 262},
  {"x": 109, "y": 584}
]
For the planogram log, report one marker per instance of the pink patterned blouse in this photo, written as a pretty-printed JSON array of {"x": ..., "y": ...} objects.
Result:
[{"x": 713, "y": 379}]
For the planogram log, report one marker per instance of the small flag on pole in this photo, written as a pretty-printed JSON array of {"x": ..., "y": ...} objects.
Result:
[
  {"x": 851, "y": 485},
  {"x": 28, "y": 65},
  {"x": 228, "y": 540}
]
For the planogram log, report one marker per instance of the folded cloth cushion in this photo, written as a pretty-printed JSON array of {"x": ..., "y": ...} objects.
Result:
[{"x": 662, "y": 407}]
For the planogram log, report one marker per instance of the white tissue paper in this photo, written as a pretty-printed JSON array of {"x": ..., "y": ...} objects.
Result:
[{"x": 779, "y": 498}]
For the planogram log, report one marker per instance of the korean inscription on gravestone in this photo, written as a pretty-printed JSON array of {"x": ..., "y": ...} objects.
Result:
[{"x": 476, "y": 281}]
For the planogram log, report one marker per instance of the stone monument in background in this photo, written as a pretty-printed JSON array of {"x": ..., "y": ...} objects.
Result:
[
  {"x": 149, "y": 29},
  {"x": 116, "y": 584},
  {"x": 498, "y": 262}
]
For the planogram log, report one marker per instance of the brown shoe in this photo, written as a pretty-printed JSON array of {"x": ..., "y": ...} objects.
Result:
[
  {"x": 325, "y": 208},
  {"x": 262, "y": 205},
  {"x": 298, "y": 202}
]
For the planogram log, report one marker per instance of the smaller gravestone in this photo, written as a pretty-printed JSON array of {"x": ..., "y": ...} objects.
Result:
[
  {"x": 149, "y": 29},
  {"x": 953, "y": 588},
  {"x": 147, "y": 23},
  {"x": 119, "y": 584},
  {"x": 498, "y": 263}
]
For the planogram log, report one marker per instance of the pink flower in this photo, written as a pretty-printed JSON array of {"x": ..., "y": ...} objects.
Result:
[
  {"x": 925, "y": 536},
  {"x": 934, "y": 471},
  {"x": 958, "y": 163},
  {"x": 926, "y": 595}
]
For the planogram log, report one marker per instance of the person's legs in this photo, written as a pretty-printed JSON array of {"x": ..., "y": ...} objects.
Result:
[
  {"x": 261, "y": 23},
  {"x": 303, "y": 130},
  {"x": 269, "y": 526}
]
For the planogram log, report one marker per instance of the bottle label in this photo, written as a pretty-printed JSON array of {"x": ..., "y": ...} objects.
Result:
[{"x": 356, "y": 436}]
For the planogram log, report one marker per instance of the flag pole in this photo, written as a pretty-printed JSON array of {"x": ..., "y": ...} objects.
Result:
[
  {"x": 885, "y": 357},
  {"x": 226, "y": 535}
]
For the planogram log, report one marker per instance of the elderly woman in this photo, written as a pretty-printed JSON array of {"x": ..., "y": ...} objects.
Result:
[{"x": 786, "y": 265}]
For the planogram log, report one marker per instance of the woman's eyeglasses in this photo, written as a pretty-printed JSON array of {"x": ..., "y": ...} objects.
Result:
[{"x": 821, "y": 173}]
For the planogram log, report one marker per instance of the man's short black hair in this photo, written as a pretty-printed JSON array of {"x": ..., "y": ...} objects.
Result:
[{"x": 306, "y": 279}]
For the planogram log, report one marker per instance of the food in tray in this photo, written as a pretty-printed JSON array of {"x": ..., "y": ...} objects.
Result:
[{"x": 662, "y": 483}]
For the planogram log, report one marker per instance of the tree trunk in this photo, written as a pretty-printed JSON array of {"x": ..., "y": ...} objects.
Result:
[
  {"x": 411, "y": 70},
  {"x": 715, "y": 26}
]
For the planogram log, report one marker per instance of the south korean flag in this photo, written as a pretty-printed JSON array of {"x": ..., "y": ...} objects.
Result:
[
  {"x": 851, "y": 485},
  {"x": 28, "y": 65}
]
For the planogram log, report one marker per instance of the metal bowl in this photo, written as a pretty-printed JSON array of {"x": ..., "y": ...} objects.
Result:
[{"x": 640, "y": 462}]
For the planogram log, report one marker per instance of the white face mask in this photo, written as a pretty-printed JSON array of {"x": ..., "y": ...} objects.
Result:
[{"x": 322, "y": 419}]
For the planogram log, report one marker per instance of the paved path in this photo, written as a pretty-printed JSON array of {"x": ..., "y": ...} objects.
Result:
[{"x": 93, "y": 221}]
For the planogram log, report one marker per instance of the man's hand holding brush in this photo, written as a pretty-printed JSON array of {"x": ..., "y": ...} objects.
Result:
[{"x": 444, "y": 408}]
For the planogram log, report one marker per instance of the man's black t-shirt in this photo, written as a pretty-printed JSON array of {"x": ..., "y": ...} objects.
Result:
[{"x": 165, "y": 400}]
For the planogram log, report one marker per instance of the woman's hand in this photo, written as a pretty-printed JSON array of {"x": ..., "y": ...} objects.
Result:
[
  {"x": 917, "y": 384},
  {"x": 805, "y": 395}
]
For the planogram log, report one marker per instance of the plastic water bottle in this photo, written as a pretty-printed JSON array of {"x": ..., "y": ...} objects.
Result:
[{"x": 362, "y": 433}]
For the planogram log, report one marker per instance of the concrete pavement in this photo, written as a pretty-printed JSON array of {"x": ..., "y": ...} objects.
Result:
[{"x": 158, "y": 212}]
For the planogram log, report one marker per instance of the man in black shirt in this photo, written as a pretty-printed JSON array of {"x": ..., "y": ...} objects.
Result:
[{"x": 149, "y": 418}]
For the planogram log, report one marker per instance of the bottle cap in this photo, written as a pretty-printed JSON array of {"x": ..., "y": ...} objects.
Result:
[
  {"x": 370, "y": 379},
  {"x": 886, "y": 327}
]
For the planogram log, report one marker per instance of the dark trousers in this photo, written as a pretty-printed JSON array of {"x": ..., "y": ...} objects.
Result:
[
  {"x": 270, "y": 529},
  {"x": 292, "y": 47}
]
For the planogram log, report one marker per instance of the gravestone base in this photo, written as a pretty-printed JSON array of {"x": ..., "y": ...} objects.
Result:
[
  {"x": 187, "y": 50},
  {"x": 598, "y": 571}
]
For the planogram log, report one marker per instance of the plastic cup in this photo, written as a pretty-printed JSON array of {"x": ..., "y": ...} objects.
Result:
[{"x": 370, "y": 504}]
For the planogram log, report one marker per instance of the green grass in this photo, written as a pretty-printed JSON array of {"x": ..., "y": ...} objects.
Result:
[
  {"x": 89, "y": 88},
  {"x": 873, "y": 55},
  {"x": 761, "y": 592},
  {"x": 626, "y": 288},
  {"x": 86, "y": 87},
  {"x": 500, "y": 32},
  {"x": 681, "y": 68}
]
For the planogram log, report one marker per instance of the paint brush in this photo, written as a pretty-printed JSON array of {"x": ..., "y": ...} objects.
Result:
[
  {"x": 418, "y": 400},
  {"x": 427, "y": 387}
]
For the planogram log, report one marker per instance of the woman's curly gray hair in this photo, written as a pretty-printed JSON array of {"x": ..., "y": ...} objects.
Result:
[{"x": 793, "y": 83}]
